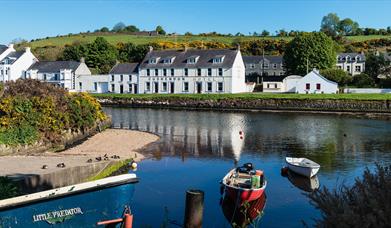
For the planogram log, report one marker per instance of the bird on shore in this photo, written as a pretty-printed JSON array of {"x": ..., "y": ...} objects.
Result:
[
  {"x": 98, "y": 158},
  {"x": 115, "y": 157},
  {"x": 61, "y": 165},
  {"x": 89, "y": 160},
  {"x": 44, "y": 167}
]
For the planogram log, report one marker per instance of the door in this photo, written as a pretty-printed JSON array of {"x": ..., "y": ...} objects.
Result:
[
  {"x": 156, "y": 87},
  {"x": 135, "y": 89},
  {"x": 172, "y": 87},
  {"x": 121, "y": 88},
  {"x": 199, "y": 87}
]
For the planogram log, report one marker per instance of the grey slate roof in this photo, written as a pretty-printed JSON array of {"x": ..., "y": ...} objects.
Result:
[
  {"x": 342, "y": 57},
  {"x": 54, "y": 66},
  {"x": 124, "y": 68},
  {"x": 258, "y": 58},
  {"x": 13, "y": 56},
  {"x": 273, "y": 78},
  {"x": 3, "y": 48},
  {"x": 205, "y": 59}
]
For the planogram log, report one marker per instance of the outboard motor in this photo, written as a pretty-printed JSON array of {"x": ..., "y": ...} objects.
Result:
[{"x": 246, "y": 168}]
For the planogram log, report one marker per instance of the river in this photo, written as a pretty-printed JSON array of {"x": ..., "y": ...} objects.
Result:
[{"x": 197, "y": 148}]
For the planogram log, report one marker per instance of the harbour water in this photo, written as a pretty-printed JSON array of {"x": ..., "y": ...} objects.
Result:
[{"x": 197, "y": 148}]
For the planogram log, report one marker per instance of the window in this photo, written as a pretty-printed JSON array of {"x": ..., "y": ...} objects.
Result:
[
  {"x": 148, "y": 73},
  {"x": 130, "y": 88},
  {"x": 307, "y": 86},
  {"x": 147, "y": 86},
  {"x": 220, "y": 87},
  {"x": 95, "y": 86},
  {"x": 266, "y": 66},
  {"x": 44, "y": 75},
  {"x": 121, "y": 78},
  {"x": 168, "y": 60},
  {"x": 318, "y": 86},
  {"x": 112, "y": 88},
  {"x": 348, "y": 68},
  {"x": 81, "y": 86},
  {"x": 281, "y": 73},
  {"x": 112, "y": 78},
  {"x": 358, "y": 68},
  {"x": 199, "y": 72},
  {"x": 156, "y": 72},
  {"x": 209, "y": 86},
  {"x": 186, "y": 87},
  {"x": 56, "y": 77},
  {"x": 209, "y": 71},
  {"x": 172, "y": 72},
  {"x": 252, "y": 66},
  {"x": 164, "y": 72},
  {"x": 192, "y": 60},
  {"x": 152, "y": 61},
  {"x": 218, "y": 59},
  {"x": 220, "y": 71},
  {"x": 186, "y": 72},
  {"x": 164, "y": 89},
  {"x": 274, "y": 65},
  {"x": 130, "y": 78}
]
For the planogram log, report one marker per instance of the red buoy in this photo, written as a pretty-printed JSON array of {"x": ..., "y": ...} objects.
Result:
[
  {"x": 240, "y": 132},
  {"x": 241, "y": 137}
]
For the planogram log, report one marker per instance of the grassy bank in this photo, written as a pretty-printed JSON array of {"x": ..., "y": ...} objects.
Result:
[
  {"x": 247, "y": 96},
  {"x": 124, "y": 38},
  {"x": 111, "y": 170}
]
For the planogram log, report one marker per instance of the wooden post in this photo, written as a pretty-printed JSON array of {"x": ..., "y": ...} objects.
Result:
[{"x": 194, "y": 208}]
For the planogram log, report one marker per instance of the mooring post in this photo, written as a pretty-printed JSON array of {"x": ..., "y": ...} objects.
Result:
[{"x": 194, "y": 208}]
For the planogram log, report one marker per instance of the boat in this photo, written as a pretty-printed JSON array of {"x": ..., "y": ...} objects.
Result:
[
  {"x": 303, "y": 183},
  {"x": 242, "y": 215},
  {"x": 244, "y": 183},
  {"x": 79, "y": 205},
  {"x": 302, "y": 166}
]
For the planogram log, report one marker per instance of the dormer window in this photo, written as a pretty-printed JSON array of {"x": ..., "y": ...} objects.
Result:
[
  {"x": 358, "y": 58},
  {"x": 192, "y": 59},
  {"x": 218, "y": 59},
  {"x": 153, "y": 60},
  {"x": 168, "y": 60},
  {"x": 348, "y": 58}
]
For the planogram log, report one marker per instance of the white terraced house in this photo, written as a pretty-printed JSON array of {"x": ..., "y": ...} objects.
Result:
[
  {"x": 192, "y": 71},
  {"x": 13, "y": 64},
  {"x": 353, "y": 63},
  {"x": 123, "y": 78},
  {"x": 62, "y": 73}
]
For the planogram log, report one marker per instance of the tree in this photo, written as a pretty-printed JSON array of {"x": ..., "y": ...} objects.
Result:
[
  {"x": 118, "y": 27},
  {"x": 347, "y": 27},
  {"x": 104, "y": 29},
  {"x": 375, "y": 65},
  {"x": 337, "y": 75},
  {"x": 330, "y": 24},
  {"x": 363, "y": 81},
  {"x": 265, "y": 33},
  {"x": 282, "y": 33},
  {"x": 129, "y": 52},
  {"x": 131, "y": 28},
  {"x": 159, "y": 29},
  {"x": 315, "y": 50}
]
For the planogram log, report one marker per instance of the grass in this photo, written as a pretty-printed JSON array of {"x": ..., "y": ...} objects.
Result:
[
  {"x": 124, "y": 38},
  {"x": 109, "y": 170},
  {"x": 247, "y": 96}
]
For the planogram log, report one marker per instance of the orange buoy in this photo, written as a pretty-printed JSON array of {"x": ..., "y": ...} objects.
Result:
[
  {"x": 128, "y": 221},
  {"x": 259, "y": 172}
]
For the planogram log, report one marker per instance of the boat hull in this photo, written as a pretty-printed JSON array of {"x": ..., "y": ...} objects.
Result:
[
  {"x": 243, "y": 195},
  {"x": 304, "y": 171}
]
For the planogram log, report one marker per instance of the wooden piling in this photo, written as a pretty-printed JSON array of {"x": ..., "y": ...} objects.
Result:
[{"x": 194, "y": 208}]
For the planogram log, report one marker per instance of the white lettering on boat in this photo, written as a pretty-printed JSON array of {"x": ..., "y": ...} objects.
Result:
[{"x": 57, "y": 214}]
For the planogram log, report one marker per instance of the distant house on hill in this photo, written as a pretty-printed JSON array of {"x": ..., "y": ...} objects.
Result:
[
  {"x": 61, "y": 73},
  {"x": 353, "y": 63},
  {"x": 13, "y": 64},
  {"x": 123, "y": 78}
]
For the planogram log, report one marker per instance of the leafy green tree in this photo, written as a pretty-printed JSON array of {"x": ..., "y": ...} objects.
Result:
[
  {"x": 375, "y": 65},
  {"x": 119, "y": 27},
  {"x": 363, "y": 81},
  {"x": 132, "y": 53},
  {"x": 337, "y": 75},
  {"x": 347, "y": 27},
  {"x": 131, "y": 28},
  {"x": 330, "y": 24},
  {"x": 159, "y": 29},
  {"x": 308, "y": 51},
  {"x": 265, "y": 33},
  {"x": 104, "y": 29}
]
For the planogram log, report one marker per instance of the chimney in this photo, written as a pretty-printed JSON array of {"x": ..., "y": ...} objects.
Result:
[
  {"x": 238, "y": 47},
  {"x": 27, "y": 49},
  {"x": 82, "y": 60},
  {"x": 11, "y": 46},
  {"x": 150, "y": 48},
  {"x": 315, "y": 70}
]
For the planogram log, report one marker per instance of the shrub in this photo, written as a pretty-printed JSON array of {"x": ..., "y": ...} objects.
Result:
[
  {"x": 7, "y": 188},
  {"x": 337, "y": 75},
  {"x": 365, "y": 204},
  {"x": 363, "y": 81}
]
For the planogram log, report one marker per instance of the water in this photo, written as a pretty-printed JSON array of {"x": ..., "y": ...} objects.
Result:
[{"x": 197, "y": 148}]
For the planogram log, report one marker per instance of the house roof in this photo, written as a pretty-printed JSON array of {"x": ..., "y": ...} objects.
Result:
[
  {"x": 205, "y": 58},
  {"x": 13, "y": 56},
  {"x": 124, "y": 68},
  {"x": 319, "y": 75},
  {"x": 273, "y": 78},
  {"x": 3, "y": 48},
  {"x": 342, "y": 57},
  {"x": 258, "y": 58},
  {"x": 54, "y": 66}
]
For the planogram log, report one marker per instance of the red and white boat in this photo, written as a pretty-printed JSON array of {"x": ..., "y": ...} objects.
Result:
[{"x": 244, "y": 184}]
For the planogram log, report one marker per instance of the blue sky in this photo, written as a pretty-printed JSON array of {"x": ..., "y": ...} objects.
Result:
[{"x": 29, "y": 19}]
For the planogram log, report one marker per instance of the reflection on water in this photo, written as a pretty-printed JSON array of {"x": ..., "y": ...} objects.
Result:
[
  {"x": 197, "y": 148},
  {"x": 242, "y": 215},
  {"x": 303, "y": 183}
]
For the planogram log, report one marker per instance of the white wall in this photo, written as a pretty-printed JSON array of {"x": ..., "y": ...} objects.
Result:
[
  {"x": 290, "y": 83},
  {"x": 129, "y": 83},
  {"x": 92, "y": 83},
  {"x": 18, "y": 68},
  {"x": 272, "y": 87},
  {"x": 313, "y": 79},
  {"x": 238, "y": 75},
  {"x": 366, "y": 90}
]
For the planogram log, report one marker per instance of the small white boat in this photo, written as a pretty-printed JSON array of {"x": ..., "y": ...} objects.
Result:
[{"x": 302, "y": 166}]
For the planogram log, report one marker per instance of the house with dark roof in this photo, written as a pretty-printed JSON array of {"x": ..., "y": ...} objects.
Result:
[
  {"x": 13, "y": 64},
  {"x": 267, "y": 65},
  {"x": 192, "y": 71},
  {"x": 123, "y": 78},
  {"x": 62, "y": 73},
  {"x": 353, "y": 63}
]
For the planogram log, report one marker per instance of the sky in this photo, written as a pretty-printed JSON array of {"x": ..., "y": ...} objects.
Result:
[{"x": 30, "y": 19}]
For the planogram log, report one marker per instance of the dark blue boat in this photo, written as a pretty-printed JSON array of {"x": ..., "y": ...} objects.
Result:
[{"x": 71, "y": 206}]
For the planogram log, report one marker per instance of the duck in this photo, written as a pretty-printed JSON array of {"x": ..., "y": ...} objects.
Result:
[
  {"x": 89, "y": 160},
  {"x": 98, "y": 158},
  {"x": 44, "y": 167},
  {"x": 61, "y": 165}
]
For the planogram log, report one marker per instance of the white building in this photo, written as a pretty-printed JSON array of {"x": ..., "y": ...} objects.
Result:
[
  {"x": 92, "y": 83},
  {"x": 192, "y": 71},
  {"x": 123, "y": 78},
  {"x": 13, "y": 64},
  {"x": 353, "y": 63},
  {"x": 313, "y": 83},
  {"x": 62, "y": 73}
]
